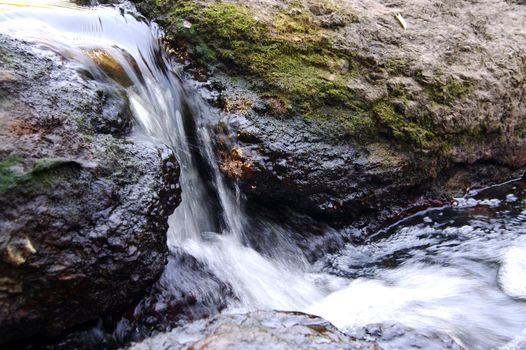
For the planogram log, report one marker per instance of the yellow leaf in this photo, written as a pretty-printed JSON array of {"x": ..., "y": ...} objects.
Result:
[{"x": 401, "y": 20}]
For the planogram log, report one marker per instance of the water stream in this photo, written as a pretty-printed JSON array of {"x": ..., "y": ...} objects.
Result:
[{"x": 460, "y": 270}]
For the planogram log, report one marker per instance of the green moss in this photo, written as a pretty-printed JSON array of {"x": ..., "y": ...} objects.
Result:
[
  {"x": 448, "y": 90},
  {"x": 5, "y": 57},
  {"x": 218, "y": 31},
  {"x": 344, "y": 124},
  {"x": 398, "y": 66},
  {"x": 291, "y": 57},
  {"x": 8, "y": 176},
  {"x": 288, "y": 57},
  {"x": 415, "y": 130},
  {"x": 45, "y": 172}
]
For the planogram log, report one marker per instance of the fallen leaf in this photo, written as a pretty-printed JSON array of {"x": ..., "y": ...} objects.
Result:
[{"x": 401, "y": 20}]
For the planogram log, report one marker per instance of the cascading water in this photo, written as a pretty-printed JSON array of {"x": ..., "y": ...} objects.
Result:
[
  {"x": 167, "y": 113},
  {"x": 436, "y": 271}
]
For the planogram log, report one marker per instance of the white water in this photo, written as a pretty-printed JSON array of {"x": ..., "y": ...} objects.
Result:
[
  {"x": 450, "y": 300},
  {"x": 437, "y": 273},
  {"x": 512, "y": 272}
]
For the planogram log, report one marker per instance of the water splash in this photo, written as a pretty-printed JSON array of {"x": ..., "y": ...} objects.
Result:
[
  {"x": 512, "y": 272},
  {"x": 438, "y": 270}
]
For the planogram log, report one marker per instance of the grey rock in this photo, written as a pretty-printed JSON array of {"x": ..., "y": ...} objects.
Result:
[
  {"x": 256, "y": 330},
  {"x": 311, "y": 166},
  {"x": 398, "y": 337}
]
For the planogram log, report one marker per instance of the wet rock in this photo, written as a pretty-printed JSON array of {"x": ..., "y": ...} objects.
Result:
[
  {"x": 256, "y": 330},
  {"x": 302, "y": 170},
  {"x": 187, "y": 291},
  {"x": 84, "y": 209},
  {"x": 380, "y": 135},
  {"x": 395, "y": 336}
]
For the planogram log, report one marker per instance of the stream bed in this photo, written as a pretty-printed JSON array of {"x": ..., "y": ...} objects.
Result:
[{"x": 458, "y": 270}]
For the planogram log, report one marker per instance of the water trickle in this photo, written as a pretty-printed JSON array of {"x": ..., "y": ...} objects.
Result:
[{"x": 459, "y": 270}]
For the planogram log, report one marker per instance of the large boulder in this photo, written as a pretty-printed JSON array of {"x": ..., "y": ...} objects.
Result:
[
  {"x": 84, "y": 209},
  {"x": 360, "y": 111}
]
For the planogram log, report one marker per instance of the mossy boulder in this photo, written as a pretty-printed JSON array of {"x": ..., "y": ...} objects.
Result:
[{"x": 329, "y": 81}]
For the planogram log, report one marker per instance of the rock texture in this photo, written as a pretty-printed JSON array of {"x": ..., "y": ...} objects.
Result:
[
  {"x": 340, "y": 109},
  {"x": 256, "y": 330},
  {"x": 84, "y": 209},
  {"x": 396, "y": 336}
]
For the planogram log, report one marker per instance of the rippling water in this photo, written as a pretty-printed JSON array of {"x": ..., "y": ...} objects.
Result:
[{"x": 459, "y": 270}]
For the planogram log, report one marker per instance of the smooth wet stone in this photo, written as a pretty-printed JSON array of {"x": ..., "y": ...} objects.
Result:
[
  {"x": 256, "y": 330},
  {"x": 397, "y": 337}
]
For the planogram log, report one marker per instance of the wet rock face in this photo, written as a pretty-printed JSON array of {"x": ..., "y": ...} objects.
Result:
[
  {"x": 367, "y": 117},
  {"x": 256, "y": 330},
  {"x": 187, "y": 291},
  {"x": 292, "y": 164},
  {"x": 285, "y": 330},
  {"x": 474, "y": 116},
  {"x": 84, "y": 210}
]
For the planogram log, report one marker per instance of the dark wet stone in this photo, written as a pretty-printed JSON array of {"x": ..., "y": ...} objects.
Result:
[
  {"x": 290, "y": 163},
  {"x": 84, "y": 209},
  {"x": 187, "y": 291}
]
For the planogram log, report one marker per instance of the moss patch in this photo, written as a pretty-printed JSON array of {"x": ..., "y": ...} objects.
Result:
[
  {"x": 9, "y": 177},
  {"x": 416, "y": 130},
  {"x": 448, "y": 90},
  {"x": 45, "y": 172},
  {"x": 5, "y": 57},
  {"x": 290, "y": 55}
]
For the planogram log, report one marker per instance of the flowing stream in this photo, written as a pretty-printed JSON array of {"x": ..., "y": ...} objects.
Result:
[{"x": 459, "y": 270}]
